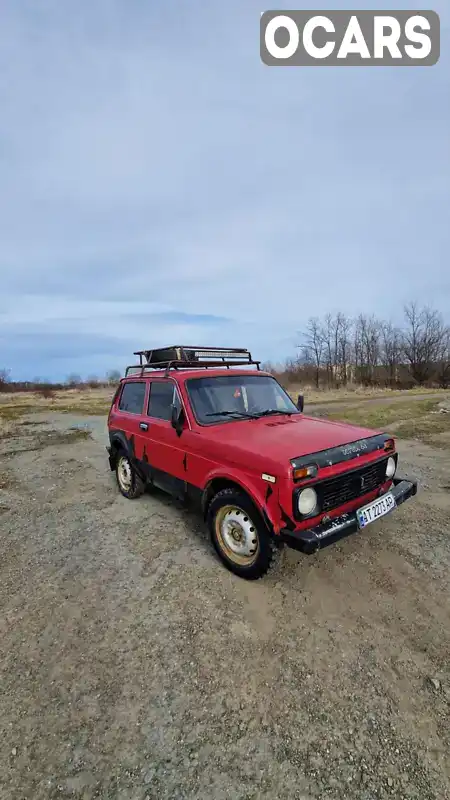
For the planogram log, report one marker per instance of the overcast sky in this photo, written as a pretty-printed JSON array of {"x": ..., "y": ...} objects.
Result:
[{"x": 160, "y": 185}]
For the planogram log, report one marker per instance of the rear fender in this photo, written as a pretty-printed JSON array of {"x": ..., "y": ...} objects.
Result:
[{"x": 120, "y": 441}]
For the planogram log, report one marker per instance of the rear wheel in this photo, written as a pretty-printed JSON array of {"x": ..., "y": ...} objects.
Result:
[
  {"x": 130, "y": 483},
  {"x": 240, "y": 535}
]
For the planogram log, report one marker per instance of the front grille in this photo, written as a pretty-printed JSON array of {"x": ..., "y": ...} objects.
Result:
[{"x": 351, "y": 485}]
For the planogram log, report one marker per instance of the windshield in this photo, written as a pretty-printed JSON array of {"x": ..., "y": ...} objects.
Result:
[{"x": 230, "y": 397}]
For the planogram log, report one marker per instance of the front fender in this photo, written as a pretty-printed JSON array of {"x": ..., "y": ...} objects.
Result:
[{"x": 263, "y": 494}]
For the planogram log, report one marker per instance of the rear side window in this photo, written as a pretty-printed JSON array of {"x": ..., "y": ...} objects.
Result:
[
  {"x": 116, "y": 395},
  {"x": 162, "y": 395},
  {"x": 132, "y": 398}
]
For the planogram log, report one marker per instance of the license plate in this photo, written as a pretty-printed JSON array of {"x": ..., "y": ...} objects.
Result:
[{"x": 371, "y": 512}]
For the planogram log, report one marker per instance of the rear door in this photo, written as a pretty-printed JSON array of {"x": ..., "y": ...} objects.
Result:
[{"x": 163, "y": 447}]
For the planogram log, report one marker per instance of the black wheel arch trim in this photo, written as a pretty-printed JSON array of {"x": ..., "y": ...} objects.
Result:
[{"x": 120, "y": 439}]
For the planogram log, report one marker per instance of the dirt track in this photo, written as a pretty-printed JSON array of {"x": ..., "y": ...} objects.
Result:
[{"x": 133, "y": 665}]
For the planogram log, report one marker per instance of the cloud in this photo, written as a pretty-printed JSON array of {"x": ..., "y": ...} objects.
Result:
[{"x": 151, "y": 165}]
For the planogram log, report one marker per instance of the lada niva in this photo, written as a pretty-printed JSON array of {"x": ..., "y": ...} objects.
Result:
[{"x": 208, "y": 425}]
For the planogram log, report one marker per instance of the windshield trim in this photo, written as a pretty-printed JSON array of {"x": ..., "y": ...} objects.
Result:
[{"x": 227, "y": 420}]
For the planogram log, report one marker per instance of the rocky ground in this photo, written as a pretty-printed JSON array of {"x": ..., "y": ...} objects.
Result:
[{"x": 134, "y": 666}]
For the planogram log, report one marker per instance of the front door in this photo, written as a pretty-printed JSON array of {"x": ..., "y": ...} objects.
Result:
[{"x": 163, "y": 449}]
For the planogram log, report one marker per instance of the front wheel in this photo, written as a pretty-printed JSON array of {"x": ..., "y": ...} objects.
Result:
[{"x": 239, "y": 535}]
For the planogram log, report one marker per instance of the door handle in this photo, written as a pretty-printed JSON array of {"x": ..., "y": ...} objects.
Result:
[{"x": 143, "y": 426}]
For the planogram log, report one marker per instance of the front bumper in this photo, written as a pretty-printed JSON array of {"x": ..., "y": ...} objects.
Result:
[{"x": 313, "y": 539}]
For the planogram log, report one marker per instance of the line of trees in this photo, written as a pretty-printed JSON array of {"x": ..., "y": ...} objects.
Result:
[
  {"x": 45, "y": 387},
  {"x": 336, "y": 350}
]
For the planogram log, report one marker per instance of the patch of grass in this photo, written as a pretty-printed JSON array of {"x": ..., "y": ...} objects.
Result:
[
  {"x": 427, "y": 429},
  {"x": 31, "y": 442},
  {"x": 356, "y": 394},
  {"x": 85, "y": 410},
  {"x": 64, "y": 437},
  {"x": 69, "y": 401},
  {"x": 13, "y": 413},
  {"x": 9, "y": 413},
  {"x": 383, "y": 415}
]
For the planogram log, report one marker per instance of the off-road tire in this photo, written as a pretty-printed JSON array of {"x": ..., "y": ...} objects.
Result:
[
  {"x": 268, "y": 550},
  {"x": 137, "y": 484}
]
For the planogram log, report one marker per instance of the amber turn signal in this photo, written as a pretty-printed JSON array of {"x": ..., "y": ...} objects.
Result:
[{"x": 305, "y": 472}]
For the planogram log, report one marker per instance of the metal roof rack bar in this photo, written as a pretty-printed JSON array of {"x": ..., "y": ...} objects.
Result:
[
  {"x": 139, "y": 369},
  {"x": 192, "y": 353},
  {"x": 183, "y": 357}
]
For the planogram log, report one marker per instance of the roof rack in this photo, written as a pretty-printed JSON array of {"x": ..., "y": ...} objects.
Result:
[{"x": 189, "y": 357}]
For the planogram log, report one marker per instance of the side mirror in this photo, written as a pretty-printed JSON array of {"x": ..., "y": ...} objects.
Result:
[
  {"x": 176, "y": 418},
  {"x": 300, "y": 402}
]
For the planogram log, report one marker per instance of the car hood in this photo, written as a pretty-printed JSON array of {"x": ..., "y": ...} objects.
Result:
[{"x": 281, "y": 438}]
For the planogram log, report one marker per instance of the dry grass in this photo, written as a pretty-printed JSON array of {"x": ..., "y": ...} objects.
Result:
[
  {"x": 354, "y": 394},
  {"x": 14, "y": 407},
  {"x": 64, "y": 437},
  {"x": 412, "y": 419},
  {"x": 385, "y": 414},
  {"x": 98, "y": 401},
  {"x": 9, "y": 413},
  {"x": 32, "y": 441},
  {"x": 69, "y": 401},
  {"x": 433, "y": 429}
]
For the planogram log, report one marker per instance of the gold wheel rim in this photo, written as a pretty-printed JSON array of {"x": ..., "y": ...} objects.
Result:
[{"x": 237, "y": 535}]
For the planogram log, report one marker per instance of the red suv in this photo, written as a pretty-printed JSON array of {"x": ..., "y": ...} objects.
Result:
[{"x": 205, "y": 425}]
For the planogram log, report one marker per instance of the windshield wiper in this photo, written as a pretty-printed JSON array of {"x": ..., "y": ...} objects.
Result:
[
  {"x": 225, "y": 413},
  {"x": 270, "y": 411}
]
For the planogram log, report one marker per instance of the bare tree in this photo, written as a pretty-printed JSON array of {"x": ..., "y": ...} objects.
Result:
[
  {"x": 267, "y": 366},
  {"x": 292, "y": 370},
  {"x": 329, "y": 349},
  {"x": 4, "y": 380},
  {"x": 423, "y": 340},
  {"x": 391, "y": 351},
  {"x": 366, "y": 348},
  {"x": 343, "y": 328},
  {"x": 443, "y": 361},
  {"x": 336, "y": 335},
  {"x": 74, "y": 380},
  {"x": 314, "y": 346},
  {"x": 113, "y": 376}
]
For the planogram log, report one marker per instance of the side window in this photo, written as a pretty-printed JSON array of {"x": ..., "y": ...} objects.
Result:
[
  {"x": 132, "y": 398},
  {"x": 162, "y": 395}
]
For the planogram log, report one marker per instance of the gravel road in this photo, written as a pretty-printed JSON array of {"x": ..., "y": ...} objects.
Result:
[{"x": 134, "y": 666}]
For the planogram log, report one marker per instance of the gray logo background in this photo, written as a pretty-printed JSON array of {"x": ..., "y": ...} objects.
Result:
[{"x": 340, "y": 20}]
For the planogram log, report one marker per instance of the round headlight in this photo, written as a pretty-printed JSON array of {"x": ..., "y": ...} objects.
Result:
[
  {"x": 390, "y": 467},
  {"x": 307, "y": 501}
]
